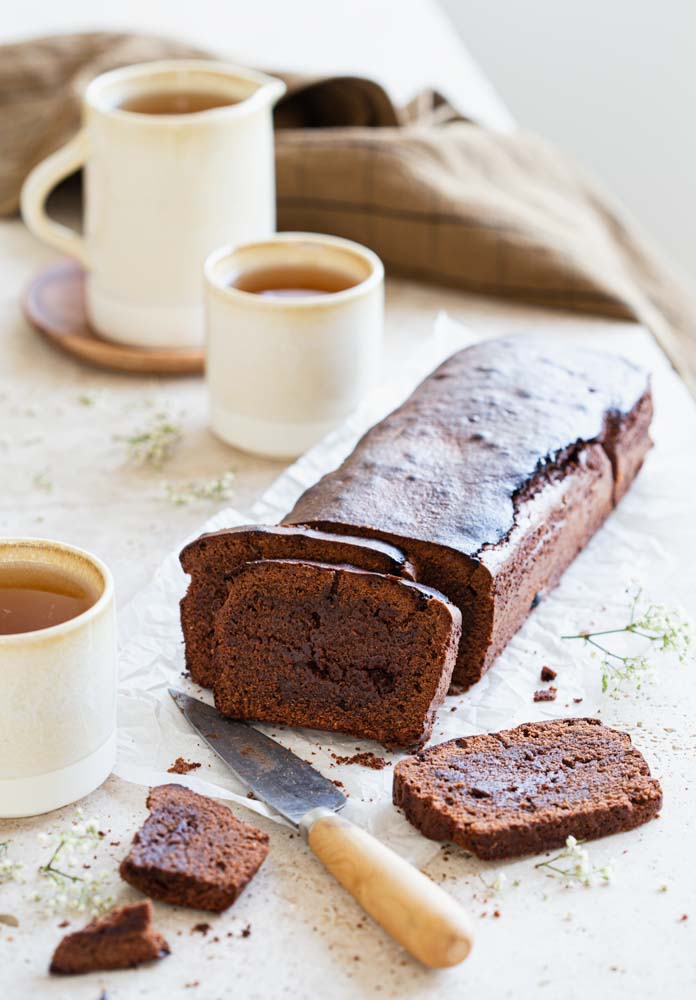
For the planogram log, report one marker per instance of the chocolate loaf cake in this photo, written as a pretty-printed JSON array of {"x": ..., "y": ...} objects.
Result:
[
  {"x": 525, "y": 790},
  {"x": 335, "y": 648},
  {"x": 212, "y": 559},
  {"x": 192, "y": 851},
  {"x": 122, "y": 939},
  {"x": 493, "y": 476}
]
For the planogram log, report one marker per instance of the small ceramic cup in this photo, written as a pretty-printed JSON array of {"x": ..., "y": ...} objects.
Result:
[
  {"x": 161, "y": 191},
  {"x": 58, "y": 692},
  {"x": 283, "y": 371}
]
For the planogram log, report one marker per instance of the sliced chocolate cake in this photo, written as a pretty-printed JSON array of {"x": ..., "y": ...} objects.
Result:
[
  {"x": 493, "y": 476},
  {"x": 212, "y": 560},
  {"x": 122, "y": 939},
  {"x": 334, "y": 648},
  {"x": 525, "y": 790},
  {"x": 192, "y": 851}
]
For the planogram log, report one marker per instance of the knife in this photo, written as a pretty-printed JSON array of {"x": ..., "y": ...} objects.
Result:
[{"x": 418, "y": 914}]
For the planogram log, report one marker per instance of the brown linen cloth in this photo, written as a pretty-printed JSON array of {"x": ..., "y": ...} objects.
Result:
[{"x": 438, "y": 198}]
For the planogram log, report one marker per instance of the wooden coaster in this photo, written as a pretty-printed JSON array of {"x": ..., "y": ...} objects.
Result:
[{"x": 54, "y": 304}]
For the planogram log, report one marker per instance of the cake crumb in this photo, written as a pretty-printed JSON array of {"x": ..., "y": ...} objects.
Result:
[
  {"x": 246, "y": 932},
  {"x": 547, "y": 674},
  {"x": 366, "y": 758},
  {"x": 181, "y": 766},
  {"x": 201, "y": 928},
  {"x": 547, "y": 694},
  {"x": 576, "y": 701}
]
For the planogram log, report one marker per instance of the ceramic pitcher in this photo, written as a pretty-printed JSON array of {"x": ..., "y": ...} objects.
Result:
[{"x": 161, "y": 192}]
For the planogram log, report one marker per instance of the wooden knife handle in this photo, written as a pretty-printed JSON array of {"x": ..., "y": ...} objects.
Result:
[{"x": 408, "y": 905}]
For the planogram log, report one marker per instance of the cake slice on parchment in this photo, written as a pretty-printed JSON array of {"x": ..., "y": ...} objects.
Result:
[
  {"x": 122, "y": 939},
  {"x": 192, "y": 851},
  {"x": 334, "y": 648},
  {"x": 525, "y": 790}
]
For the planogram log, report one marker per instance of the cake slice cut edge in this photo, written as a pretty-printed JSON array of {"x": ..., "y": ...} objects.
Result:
[
  {"x": 213, "y": 558},
  {"x": 334, "y": 648},
  {"x": 526, "y": 790}
]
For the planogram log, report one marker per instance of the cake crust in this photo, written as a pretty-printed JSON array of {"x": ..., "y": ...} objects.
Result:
[
  {"x": 525, "y": 790},
  {"x": 192, "y": 851},
  {"x": 334, "y": 648}
]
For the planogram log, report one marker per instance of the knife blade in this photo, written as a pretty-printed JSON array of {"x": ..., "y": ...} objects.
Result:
[
  {"x": 417, "y": 913},
  {"x": 275, "y": 775}
]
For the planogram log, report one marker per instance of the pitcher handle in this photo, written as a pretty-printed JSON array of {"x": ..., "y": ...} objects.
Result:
[{"x": 36, "y": 189}]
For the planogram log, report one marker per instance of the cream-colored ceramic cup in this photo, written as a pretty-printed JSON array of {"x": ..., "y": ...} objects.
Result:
[
  {"x": 58, "y": 692},
  {"x": 283, "y": 372},
  {"x": 161, "y": 192}
]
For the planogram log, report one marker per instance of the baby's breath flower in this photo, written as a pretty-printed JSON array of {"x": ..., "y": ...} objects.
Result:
[
  {"x": 498, "y": 883},
  {"x": 202, "y": 489},
  {"x": 668, "y": 630},
  {"x": 154, "y": 444},
  {"x": 578, "y": 869},
  {"x": 8, "y": 868},
  {"x": 64, "y": 889}
]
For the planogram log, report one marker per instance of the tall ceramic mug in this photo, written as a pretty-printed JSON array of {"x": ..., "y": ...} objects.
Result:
[
  {"x": 162, "y": 190},
  {"x": 284, "y": 368},
  {"x": 58, "y": 689}
]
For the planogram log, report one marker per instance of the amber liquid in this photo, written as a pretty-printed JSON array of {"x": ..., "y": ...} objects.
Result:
[
  {"x": 289, "y": 282},
  {"x": 175, "y": 102},
  {"x": 35, "y": 596}
]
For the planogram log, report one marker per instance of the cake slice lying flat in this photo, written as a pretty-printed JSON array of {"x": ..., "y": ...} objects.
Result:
[
  {"x": 335, "y": 648},
  {"x": 212, "y": 559},
  {"x": 122, "y": 939},
  {"x": 191, "y": 851},
  {"x": 525, "y": 790}
]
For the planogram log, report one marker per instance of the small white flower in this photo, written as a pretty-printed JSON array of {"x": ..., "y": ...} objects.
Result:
[{"x": 580, "y": 870}]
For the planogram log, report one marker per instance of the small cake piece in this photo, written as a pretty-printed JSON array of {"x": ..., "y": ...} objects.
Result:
[
  {"x": 191, "y": 851},
  {"x": 335, "y": 648},
  {"x": 122, "y": 939},
  {"x": 525, "y": 790},
  {"x": 212, "y": 560}
]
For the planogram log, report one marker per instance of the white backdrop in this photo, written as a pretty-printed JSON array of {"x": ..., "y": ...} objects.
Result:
[{"x": 613, "y": 83}]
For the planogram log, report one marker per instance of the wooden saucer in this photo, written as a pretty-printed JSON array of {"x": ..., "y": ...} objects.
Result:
[{"x": 54, "y": 304}]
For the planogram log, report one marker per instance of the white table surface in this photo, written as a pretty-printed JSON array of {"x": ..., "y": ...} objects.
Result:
[{"x": 307, "y": 937}]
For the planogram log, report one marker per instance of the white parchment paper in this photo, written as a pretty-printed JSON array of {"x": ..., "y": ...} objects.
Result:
[{"x": 152, "y": 732}]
